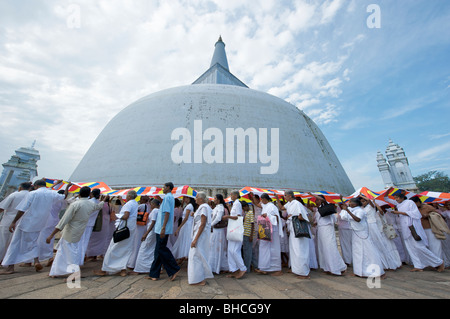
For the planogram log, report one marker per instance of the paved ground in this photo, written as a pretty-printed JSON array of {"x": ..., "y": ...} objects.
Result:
[{"x": 400, "y": 284}]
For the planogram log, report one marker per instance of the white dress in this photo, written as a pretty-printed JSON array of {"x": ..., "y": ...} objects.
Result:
[
  {"x": 146, "y": 252},
  {"x": 420, "y": 255},
  {"x": 330, "y": 259},
  {"x": 140, "y": 231},
  {"x": 270, "y": 251},
  {"x": 365, "y": 255},
  {"x": 118, "y": 254},
  {"x": 181, "y": 247},
  {"x": 198, "y": 265},
  {"x": 345, "y": 239},
  {"x": 386, "y": 248},
  {"x": 299, "y": 248},
  {"x": 218, "y": 259}
]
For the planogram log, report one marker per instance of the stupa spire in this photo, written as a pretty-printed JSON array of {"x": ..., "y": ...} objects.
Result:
[{"x": 219, "y": 54}]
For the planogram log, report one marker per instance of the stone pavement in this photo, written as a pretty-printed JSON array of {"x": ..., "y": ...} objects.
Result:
[{"x": 26, "y": 283}]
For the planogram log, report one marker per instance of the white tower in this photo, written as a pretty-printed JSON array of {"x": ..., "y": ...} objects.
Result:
[{"x": 395, "y": 171}]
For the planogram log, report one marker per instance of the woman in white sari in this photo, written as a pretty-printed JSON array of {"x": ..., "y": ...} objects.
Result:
[
  {"x": 418, "y": 252},
  {"x": 146, "y": 251},
  {"x": 218, "y": 259},
  {"x": 299, "y": 258},
  {"x": 270, "y": 251},
  {"x": 180, "y": 250},
  {"x": 118, "y": 254},
  {"x": 330, "y": 260},
  {"x": 365, "y": 256},
  {"x": 198, "y": 265}
]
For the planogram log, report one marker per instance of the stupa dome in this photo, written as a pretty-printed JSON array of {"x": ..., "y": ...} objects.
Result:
[{"x": 215, "y": 133}]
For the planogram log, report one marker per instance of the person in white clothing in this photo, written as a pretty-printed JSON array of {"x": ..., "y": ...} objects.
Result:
[
  {"x": 388, "y": 251},
  {"x": 410, "y": 217},
  {"x": 218, "y": 256},
  {"x": 140, "y": 230},
  {"x": 330, "y": 260},
  {"x": 8, "y": 208},
  {"x": 365, "y": 256},
  {"x": 198, "y": 266},
  {"x": 146, "y": 252},
  {"x": 270, "y": 251},
  {"x": 299, "y": 258},
  {"x": 46, "y": 250},
  {"x": 434, "y": 244},
  {"x": 180, "y": 249},
  {"x": 95, "y": 198},
  {"x": 119, "y": 253},
  {"x": 235, "y": 261},
  {"x": 69, "y": 255},
  {"x": 31, "y": 218}
]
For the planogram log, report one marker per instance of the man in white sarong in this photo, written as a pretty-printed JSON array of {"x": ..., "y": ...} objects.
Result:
[
  {"x": 8, "y": 208},
  {"x": 298, "y": 247},
  {"x": 270, "y": 251},
  {"x": 119, "y": 253},
  {"x": 198, "y": 265},
  {"x": 365, "y": 256},
  {"x": 31, "y": 218},
  {"x": 46, "y": 250},
  {"x": 73, "y": 223},
  {"x": 418, "y": 252},
  {"x": 235, "y": 261}
]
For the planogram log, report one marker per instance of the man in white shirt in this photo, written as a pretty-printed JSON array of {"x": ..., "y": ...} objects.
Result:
[{"x": 31, "y": 218}]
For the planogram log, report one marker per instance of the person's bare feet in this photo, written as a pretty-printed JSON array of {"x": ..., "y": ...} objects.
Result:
[
  {"x": 416, "y": 270},
  {"x": 201, "y": 283},
  {"x": 38, "y": 267},
  {"x": 100, "y": 273},
  {"x": 440, "y": 268},
  {"x": 174, "y": 276},
  {"x": 302, "y": 277},
  {"x": 49, "y": 262},
  {"x": 277, "y": 273},
  {"x": 240, "y": 274},
  {"x": 123, "y": 273},
  {"x": 7, "y": 271},
  {"x": 151, "y": 278}
]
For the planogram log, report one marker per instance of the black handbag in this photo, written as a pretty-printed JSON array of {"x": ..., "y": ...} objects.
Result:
[
  {"x": 121, "y": 234},
  {"x": 326, "y": 210},
  {"x": 300, "y": 227}
]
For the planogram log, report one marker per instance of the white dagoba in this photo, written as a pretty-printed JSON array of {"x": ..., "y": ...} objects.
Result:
[{"x": 186, "y": 135}]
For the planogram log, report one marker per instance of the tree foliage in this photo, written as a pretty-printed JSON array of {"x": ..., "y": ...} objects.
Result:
[{"x": 433, "y": 181}]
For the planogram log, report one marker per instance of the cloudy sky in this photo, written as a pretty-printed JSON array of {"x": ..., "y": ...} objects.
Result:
[{"x": 364, "y": 71}]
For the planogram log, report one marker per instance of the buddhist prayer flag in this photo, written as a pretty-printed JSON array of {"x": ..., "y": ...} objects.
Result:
[{"x": 385, "y": 197}]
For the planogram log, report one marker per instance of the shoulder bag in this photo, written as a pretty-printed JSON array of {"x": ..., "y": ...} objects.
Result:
[
  {"x": 121, "y": 234},
  {"x": 326, "y": 210},
  {"x": 300, "y": 227}
]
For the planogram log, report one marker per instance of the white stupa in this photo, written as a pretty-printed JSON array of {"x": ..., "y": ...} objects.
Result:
[{"x": 214, "y": 134}]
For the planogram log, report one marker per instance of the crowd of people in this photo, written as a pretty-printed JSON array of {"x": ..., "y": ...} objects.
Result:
[{"x": 261, "y": 234}]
